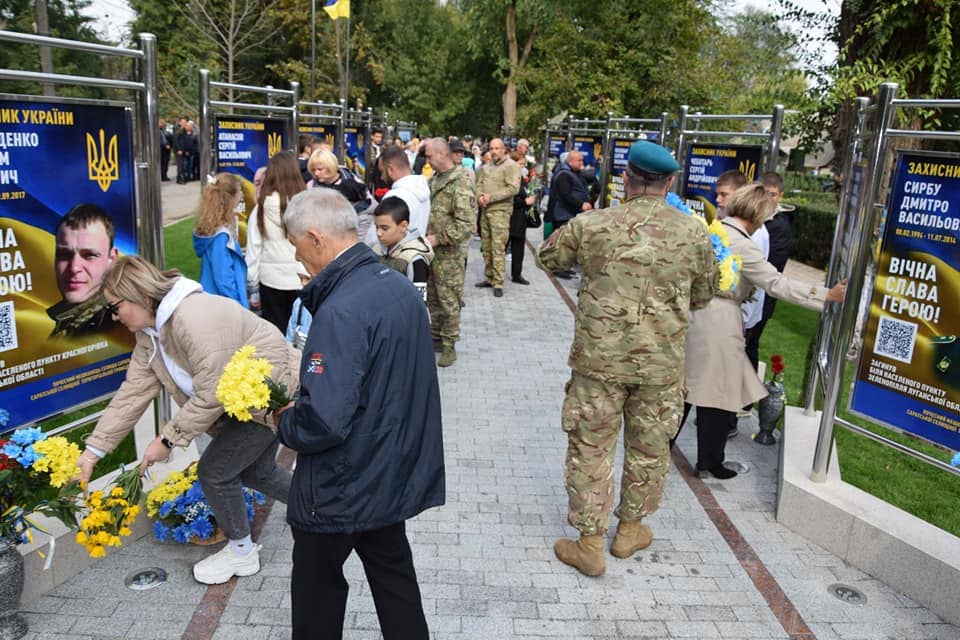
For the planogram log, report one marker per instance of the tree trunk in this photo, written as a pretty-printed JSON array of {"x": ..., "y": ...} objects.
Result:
[
  {"x": 46, "y": 59},
  {"x": 513, "y": 55}
]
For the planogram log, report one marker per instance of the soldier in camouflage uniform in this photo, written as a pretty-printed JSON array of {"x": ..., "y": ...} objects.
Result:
[
  {"x": 453, "y": 205},
  {"x": 645, "y": 266},
  {"x": 496, "y": 187}
]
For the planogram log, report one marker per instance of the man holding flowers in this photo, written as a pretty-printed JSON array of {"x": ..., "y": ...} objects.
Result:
[
  {"x": 366, "y": 426},
  {"x": 184, "y": 339}
]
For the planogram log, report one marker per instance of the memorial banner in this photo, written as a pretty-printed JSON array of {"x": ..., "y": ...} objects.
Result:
[
  {"x": 704, "y": 164},
  {"x": 621, "y": 149},
  {"x": 244, "y": 144},
  {"x": 558, "y": 144},
  {"x": 356, "y": 151},
  {"x": 591, "y": 147},
  {"x": 909, "y": 372},
  {"x": 326, "y": 133},
  {"x": 67, "y": 211}
]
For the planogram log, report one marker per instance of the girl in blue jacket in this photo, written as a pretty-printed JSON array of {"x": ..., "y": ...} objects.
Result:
[{"x": 223, "y": 270}]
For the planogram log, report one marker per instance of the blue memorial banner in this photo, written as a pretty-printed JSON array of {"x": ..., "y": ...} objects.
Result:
[
  {"x": 59, "y": 346},
  {"x": 909, "y": 372},
  {"x": 704, "y": 164},
  {"x": 244, "y": 144},
  {"x": 326, "y": 133},
  {"x": 616, "y": 192},
  {"x": 591, "y": 147},
  {"x": 356, "y": 151},
  {"x": 558, "y": 144}
]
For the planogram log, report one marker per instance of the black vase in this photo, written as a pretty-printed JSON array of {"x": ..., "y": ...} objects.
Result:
[
  {"x": 12, "y": 624},
  {"x": 769, "y": 411}
]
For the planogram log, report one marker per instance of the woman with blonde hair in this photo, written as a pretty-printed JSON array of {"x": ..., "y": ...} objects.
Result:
[
  {"x": 271, "y": 262},
  {"x": 223, "y": 270},
  {"x": 184, "y": 338},
  {"x": 327, "y": 173},
  {"x": 719, "y": 377}
]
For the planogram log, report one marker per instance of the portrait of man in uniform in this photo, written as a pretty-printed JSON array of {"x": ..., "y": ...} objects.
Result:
[{"x": 84, "y": 250}]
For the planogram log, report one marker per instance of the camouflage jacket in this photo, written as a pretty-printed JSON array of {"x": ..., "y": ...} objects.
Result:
[
  {"x": 645, "y": 267},
  {"x": 501, "y": 181},
  {"x": 453, "y": 208}
]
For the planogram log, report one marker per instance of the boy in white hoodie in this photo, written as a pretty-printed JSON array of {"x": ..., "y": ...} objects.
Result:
[{"x": 411, "y": 188}]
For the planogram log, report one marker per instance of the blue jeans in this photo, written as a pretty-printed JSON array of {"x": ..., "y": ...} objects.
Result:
[{"x": 241, "y": 454}]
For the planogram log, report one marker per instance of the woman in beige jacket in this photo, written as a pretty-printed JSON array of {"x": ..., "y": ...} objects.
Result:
[
  {"x": 720, "y": 379},
  {"x": 184, "y": 338}
]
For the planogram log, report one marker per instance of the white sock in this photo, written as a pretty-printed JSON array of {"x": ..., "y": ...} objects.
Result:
[{"x": 243, "y": 546}]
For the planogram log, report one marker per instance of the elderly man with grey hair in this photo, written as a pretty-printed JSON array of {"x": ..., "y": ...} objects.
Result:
[{"x": 366, "y": 426}]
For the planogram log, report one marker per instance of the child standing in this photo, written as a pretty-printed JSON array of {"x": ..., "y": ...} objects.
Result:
[
  {"x": 402, "y": 250},
  {"x": 223, "y": 270}
]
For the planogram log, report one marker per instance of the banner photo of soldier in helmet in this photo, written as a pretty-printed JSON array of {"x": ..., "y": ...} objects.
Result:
[
  {"x": 243, "y": 145},
  {"x": 704, "y": 164},
  {"x": 909, "y": 372},
  {"x": 326, "y": 133},
  {"x": 67, "y": 212},
  {"x": 591, "y": 147}
]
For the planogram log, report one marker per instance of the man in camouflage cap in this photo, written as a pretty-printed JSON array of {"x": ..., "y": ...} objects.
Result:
[
  {"x": 453, "y": 207},
  {"x": 645, "y": 266}
]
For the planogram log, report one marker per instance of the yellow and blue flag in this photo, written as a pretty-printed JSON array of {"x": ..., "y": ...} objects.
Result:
[{"x": 337, "y": 8}]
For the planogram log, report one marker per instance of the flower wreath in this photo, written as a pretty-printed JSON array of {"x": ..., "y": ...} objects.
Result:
[{"x": 728, "y": 263}]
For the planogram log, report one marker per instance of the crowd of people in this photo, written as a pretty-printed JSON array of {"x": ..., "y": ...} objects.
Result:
[{"x": 365, "y": 278}]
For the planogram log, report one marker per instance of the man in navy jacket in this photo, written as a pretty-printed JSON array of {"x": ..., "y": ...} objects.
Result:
[{"x": 366, "y": 427}]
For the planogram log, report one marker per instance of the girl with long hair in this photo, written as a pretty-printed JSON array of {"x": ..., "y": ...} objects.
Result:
[{"x": 222, "y": 268}]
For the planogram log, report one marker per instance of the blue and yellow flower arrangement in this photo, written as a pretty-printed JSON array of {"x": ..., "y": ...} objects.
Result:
[{"x": 728, "y": 263}]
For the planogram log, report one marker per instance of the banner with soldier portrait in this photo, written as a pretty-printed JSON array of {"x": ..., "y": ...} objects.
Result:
[
  {"x": 909, "y": 373},
  {"x": 67, "y": 211},
  {"x": 243, "y": 145},
  {"x": 591, "y": 147},
  {"x": 704, "y": 164},
  {"x": 620, "y": 149},
  {"x": 326, "y": 133}
]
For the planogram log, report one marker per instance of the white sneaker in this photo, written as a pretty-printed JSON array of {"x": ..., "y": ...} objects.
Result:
[{"x": 225, "y": 564}]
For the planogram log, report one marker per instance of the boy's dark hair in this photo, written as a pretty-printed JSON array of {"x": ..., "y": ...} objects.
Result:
[
  {"x": 305, "y": 141},
  {"x": 83, "y": 215},
  {"x": 772, "y": 179},
  {"x": 734, "y": 178},
  {"x": 394, "y": 207},
  {"x": 376, "y": 130},
  {"x": 393, "y": 156}
]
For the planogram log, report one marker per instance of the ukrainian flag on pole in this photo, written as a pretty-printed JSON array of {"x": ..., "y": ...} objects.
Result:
[{"x": 337, "y": 8}]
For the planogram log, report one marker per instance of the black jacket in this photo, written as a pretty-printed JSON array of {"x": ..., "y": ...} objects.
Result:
[
  {"x": 367, "y": 424},
  {"x": 568, "y": 193}
]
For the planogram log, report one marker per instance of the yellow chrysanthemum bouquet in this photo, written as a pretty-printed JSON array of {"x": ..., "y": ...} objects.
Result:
[
  {"x": 246, "y": 385},
  {"x": 110, "y": 513}
]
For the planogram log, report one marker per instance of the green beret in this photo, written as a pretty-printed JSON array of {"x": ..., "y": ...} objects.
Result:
[{"x": 651, "y": 157}]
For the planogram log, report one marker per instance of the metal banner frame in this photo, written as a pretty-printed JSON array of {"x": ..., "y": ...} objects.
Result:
[
  {"x": 689, "y": 127},
  {"x": 631, "y": 128},
  {"x": 323, "y": 113},
  {"x": 362, "y": 120},
  {"x": 268, "y": 109},
  {"x": 873, "y": 133},
  {"x": 146, "y": 150}
]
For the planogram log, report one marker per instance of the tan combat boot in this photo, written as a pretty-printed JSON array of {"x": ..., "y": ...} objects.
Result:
[
  {"x": 631, "y": 537},
  {"x": 448, "y": 355},
  {"x": 586, "y": 554}
]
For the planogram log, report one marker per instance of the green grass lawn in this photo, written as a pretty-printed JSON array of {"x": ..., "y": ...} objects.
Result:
[
  {"x": 903, "y": 481},
  {"x": 178, "y": 248}
]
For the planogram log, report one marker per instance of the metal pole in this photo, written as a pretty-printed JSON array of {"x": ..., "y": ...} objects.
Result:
[
  {"x": 313, "y": 49},
  {"x": 151, "y": 233},
  {"x": 341, "y": 125},
  {"x": 867, "y": 212},
  {"x": 776, "y": 131},
  {"x": 681, "y": 156},
  {"x": 663, "y": 129},
  {"x": 608, "y": 162},
  {"x": 206, "y": 124},
  {"x": 295, "y": 117},
  {"x": 828, "y": 318}
]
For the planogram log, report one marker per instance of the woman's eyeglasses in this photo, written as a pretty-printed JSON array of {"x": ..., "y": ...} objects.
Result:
[{"x": 112, "y": 307}]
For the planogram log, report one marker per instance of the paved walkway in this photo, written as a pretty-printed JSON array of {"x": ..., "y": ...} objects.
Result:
[{"x": 719, "y": 567}]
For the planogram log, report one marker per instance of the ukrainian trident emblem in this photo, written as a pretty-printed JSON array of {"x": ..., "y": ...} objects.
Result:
[
  {"x": 749, "y": 169},
  {"x": 274, "y": 144},
  {"x": 103, "y": 161}
]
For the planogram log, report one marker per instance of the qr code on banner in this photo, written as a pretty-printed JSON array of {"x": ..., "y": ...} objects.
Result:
[
  {"x": 8, "y": 327},
  {"x": 895, "y": 339}
]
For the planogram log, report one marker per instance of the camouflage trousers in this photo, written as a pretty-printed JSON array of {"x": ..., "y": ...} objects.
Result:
[
  {"x": 494, "y": 234},
  {"x": 592, "y": 414},
  {"x": 444, "y": 290}
]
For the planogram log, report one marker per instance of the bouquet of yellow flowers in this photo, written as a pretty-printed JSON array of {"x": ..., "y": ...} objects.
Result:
[
  {"x": 110, "y": 513},
  {"x": 246, "y": 384},
  {"x": 36, "y": 476}
]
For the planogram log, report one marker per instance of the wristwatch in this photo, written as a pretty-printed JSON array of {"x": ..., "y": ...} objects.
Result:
[{"x": 166, "y": 443}]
